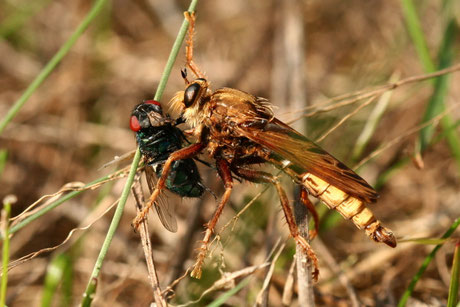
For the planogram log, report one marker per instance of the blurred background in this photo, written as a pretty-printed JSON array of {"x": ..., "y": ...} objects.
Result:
[{"x": 298, "y": 54}]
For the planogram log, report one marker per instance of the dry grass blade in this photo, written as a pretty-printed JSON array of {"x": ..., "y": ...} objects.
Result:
[
  {"x": 265, "y": 286},
  {"x": 68, "y": 187},
  {"x": 69, "y": 236},
  {"x": 346, "y": 117},
  {"x": 35, "y": 208},
  {"x": 406, "y": 134},
  {"x": 136, "y": 189},
  {"x": 372, "y": 120},
  {"x": 332, "y": 264},
  {"x": 288, "y": 290},
  {"x": 344, "y": 100},
  {"x": 228, "y": 281}
]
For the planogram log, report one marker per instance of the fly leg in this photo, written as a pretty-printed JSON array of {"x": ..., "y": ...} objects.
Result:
[
  {"x": 224, "y": 172},
  {"x": 189, "y": 45},
  {"x": 311, "y": 208},
  {"x": 184, "y": 153},
  {"x": 263, "y": 177}
]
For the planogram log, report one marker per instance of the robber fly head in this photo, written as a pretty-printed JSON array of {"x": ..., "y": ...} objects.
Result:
[
  {"x": 191, "y": 101},
  {"x": 147, "y": 114}
]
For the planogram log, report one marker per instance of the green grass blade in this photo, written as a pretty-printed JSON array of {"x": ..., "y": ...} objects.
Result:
[
  {"x": 55, "y": 274},
  {"x": 402, "y": 302},
  {"x": 455, "y": 275},
  {"x": 91, "y": 287},
  {"x": 416, "y": 34},
  {"x": 3, "y": 159},
  {"x": 173, "y": 55},
  {"x": 372, "y": 121},
  {"x": 53, "y": 205},
  {"x": 51, "y": 65},
  {"x": 226, "y": 295},
  {"x": 453, "y": 140},
  {"x": 436, "y": 103},
  {"x": 6, "y": 211}
]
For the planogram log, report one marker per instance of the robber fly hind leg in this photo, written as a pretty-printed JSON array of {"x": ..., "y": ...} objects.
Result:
[
  {"x": 263, "y": 177},
  {"x": 224, "y": 172},
  {"x": 311, "y": 208}
]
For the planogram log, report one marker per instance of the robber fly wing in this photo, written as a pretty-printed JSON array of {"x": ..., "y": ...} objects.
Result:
[
  {"x": 165, "y": 209},
  {"x": 292, "y": 146}
]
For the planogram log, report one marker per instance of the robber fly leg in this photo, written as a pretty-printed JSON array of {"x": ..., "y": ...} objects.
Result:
[
  {"x": 224, "y": 172},
  {"x": 311, "y": 208},
  {"x": 184, "y": 153},
  {"x": 263, "y": 177},
  {"x": 189, "y": 46}
]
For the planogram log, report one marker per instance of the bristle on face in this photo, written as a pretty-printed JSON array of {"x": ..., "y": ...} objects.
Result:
[{"x": 177, "y": 102}]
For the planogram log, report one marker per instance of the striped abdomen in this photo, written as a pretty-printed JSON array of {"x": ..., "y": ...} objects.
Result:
[{"x": 349, "y": 207}]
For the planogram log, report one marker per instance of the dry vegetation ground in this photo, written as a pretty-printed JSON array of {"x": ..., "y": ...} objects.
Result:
[{"x": 296, "y": 53}]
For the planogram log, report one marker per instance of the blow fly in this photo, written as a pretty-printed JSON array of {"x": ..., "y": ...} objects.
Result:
[{"x": 158, "y": 137}]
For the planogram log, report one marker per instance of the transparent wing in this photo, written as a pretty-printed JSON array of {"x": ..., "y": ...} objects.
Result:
[{"x": 165, "y": 209}]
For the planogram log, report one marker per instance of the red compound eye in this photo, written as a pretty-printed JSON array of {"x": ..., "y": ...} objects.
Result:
[
  {"x": 134, "y": 124},
  {"x": 153, "y": 102}
]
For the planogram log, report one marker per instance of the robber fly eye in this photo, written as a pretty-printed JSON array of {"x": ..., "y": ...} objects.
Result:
[{"x": 191, "y": 94}]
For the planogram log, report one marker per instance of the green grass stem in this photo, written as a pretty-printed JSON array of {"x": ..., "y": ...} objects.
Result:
[
  {"x": 416, "y": 33},
  {"x": 7, "y": 202},
  {"x": 454, "y": 278},
  {"x": 410, "y": 289},
  {"x": 3, "y": 159},
  {"x": 228, "y": 294},
  {"x": 53, "y": 205},
  {"x": 57, "y": 271},
  {"x": 89, "y": 293},
  {"x": 436, "y": 103}
]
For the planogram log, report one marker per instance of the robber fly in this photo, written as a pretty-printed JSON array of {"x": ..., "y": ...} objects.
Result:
[
  {"x": 157, "y": 137},
  {"x": 239, "y": 130}
]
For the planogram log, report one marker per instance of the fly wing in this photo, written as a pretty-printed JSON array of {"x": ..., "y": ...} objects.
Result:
[
  {"x": 165, "y": 210},
  {"x": 290, "y": 145}
]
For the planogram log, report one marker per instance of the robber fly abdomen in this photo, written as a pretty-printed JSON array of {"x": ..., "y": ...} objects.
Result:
[{"x": 350, "y": 207}]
